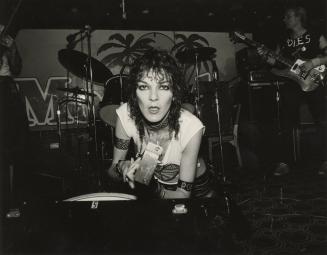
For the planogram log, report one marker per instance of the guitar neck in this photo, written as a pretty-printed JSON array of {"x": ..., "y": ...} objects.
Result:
[{"x": 271, "y": 53}]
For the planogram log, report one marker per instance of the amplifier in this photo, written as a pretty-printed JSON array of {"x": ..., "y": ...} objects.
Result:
[
  {"x": 260, "y": 75},
  {"x": 266, "y": 83},
  {"x": 263, "y": 78},
  {"x": 139, "y": 226}
]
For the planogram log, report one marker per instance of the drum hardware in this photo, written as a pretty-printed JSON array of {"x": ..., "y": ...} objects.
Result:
[
  {"x": 91, "y": 70},
  {"x": 196, "y": 55},
  {"x": 204, "y": 54},
  {"x": 114, "y": 95},
  {"x": 77, "y": 63},
  {"x": 199, "y": 54},
  {"x": 77, "y": 101},
  {"x": 77, "y": 91},
  {"x": 83, "y": 33},
  {"x": 58, "y": 114},
  {"x": 215, "y": 76}
]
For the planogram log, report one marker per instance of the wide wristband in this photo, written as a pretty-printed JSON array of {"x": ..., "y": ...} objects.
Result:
[{"x": 185, "y": 185}]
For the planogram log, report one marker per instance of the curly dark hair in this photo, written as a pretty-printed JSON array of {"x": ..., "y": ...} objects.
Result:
[{"x": 158, "y": 61}]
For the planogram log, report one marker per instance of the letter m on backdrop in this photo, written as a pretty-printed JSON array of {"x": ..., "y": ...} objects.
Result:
[{"x": 41, "y": 102}]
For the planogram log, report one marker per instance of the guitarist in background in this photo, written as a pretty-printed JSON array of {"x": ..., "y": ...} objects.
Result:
[
  {"x": 14, "y": 121},
  {"x": 311, "y": 46}
]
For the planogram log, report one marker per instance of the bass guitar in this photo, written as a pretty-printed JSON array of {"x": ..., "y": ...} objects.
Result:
[{"x": 308, "y": 81}]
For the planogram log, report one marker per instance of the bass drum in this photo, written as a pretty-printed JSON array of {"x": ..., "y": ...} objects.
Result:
[
  {"x": 102, "y": 196},
  {"x": 115, "y": 94}
]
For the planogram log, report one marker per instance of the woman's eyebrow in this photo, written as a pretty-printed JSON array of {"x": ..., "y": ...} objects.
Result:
[
  {"x": 163, "y": 81},
  {"x": 140, "y": 81}
]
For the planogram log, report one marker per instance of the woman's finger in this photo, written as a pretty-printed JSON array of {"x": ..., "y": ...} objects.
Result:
[
  {"x": 130, "y": 178},
  {"x": 131, "y": 184},
  {"x": 125, "y": 171},
  {"x": 131, "y": 172}
]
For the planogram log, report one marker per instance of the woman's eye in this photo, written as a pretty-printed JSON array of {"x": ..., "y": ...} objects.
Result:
[
  {"x": 164, "y": 87},
  {"x": 142, "y": 87}
]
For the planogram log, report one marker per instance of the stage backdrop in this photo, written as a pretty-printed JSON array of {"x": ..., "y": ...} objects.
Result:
[{"x": 43, "y": 75}]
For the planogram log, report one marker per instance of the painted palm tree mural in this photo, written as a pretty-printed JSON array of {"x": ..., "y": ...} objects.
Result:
[
  {"x": 184, "y": 43},
  {"x": 131, "y": 49},
  {"x": 124, "y": 50}
]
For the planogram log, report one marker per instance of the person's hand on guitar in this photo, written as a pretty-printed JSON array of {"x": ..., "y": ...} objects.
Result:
[
  {"x": 307, "y": 66},
  {"x": 264, "y": 53},
  {"x": 310, "y": 64}
]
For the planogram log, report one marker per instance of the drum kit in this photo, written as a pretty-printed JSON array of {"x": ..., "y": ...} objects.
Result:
[{"x": 115, "y": 87}]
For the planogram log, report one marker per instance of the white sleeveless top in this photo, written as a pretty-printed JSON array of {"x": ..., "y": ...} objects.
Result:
[{"x": 189, "y": 126}]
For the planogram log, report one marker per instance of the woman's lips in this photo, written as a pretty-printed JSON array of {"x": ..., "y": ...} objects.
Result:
[{"x": 154, "y": 109}]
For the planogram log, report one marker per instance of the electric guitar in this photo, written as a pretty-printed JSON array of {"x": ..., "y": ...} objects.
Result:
[{"x": 308, "y": 81}]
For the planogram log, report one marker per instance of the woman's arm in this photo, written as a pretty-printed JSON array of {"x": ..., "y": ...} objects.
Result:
[
  {"x": 188, "y": 168},
  {"x": 121, "y": 144}
]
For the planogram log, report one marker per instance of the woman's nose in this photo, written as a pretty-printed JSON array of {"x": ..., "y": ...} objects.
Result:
[{"x": 154, "y": 94}]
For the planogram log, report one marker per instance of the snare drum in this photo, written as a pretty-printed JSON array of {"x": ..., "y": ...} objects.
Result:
[
  {"x": 115, "y": 94},
  {"x": 102, "y": 196}
]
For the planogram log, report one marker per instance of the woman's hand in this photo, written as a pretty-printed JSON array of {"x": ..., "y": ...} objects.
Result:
[{"x": 128, "y": 170}]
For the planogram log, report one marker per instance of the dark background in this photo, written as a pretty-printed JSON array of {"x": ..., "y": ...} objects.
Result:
[{"x": 261, "y": 17}]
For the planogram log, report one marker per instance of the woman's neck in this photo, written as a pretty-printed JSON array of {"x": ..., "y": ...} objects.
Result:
[{"x": 155, "y": 126}]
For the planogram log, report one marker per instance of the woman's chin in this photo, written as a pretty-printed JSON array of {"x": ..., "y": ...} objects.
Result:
[{"x": 153, "y": 119}]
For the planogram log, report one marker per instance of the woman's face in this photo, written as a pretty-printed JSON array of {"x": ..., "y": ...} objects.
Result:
[{"x": 154, "y": 95}]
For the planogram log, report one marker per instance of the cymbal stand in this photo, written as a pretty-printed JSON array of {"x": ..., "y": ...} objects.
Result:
[
  {"x": 197, "y": 88},
  {"x": 91, "y": 106},
  {"x": 278, "y": 106},
  {"x": 58, "y": 113},
  {"x": 227, "y": 196},
  {"x": 76, "y": 118},
  {"x": 221, "y": 154},
  {"x": 215, "y": 75},
  {"x": 121, "y": 83}
]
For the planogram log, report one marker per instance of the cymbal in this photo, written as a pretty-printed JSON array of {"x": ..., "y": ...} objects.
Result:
[
  {"x": 76, "y": 62},
  {"x": 189, "y": 55},
  {"x": 76, "y": 91}
]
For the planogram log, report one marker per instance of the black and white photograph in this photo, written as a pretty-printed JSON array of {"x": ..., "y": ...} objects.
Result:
[{"x": 163, "y": 127}]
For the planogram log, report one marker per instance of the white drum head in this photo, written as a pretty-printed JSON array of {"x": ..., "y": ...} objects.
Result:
[{"x": 103, "y": 196}]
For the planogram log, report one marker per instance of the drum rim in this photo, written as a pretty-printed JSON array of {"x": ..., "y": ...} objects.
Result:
[
  {"x": 114, "y": 77},
  {"x": 100, "y": 194},
  {"x": 68, "y": 99}
]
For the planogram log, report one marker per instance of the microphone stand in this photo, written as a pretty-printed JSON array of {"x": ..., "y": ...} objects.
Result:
[{"x": 227, "y": 196}]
